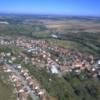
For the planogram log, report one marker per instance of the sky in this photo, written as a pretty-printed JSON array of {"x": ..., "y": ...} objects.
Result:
[{"x": 57, "y": 7}]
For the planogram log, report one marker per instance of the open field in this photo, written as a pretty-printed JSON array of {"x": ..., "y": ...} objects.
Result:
[
  {"x": 70, "y": 45},
  {"x": 6, "y": 87},
  {"x": 41, "y": 24},
  {"x": 73, "y": 25}
]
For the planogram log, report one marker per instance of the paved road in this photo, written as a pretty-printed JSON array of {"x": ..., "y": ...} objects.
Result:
[{"x": 24, "y": 82}]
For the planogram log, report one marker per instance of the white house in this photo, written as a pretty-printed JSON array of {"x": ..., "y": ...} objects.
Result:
[{"x": 54, "y": 69}]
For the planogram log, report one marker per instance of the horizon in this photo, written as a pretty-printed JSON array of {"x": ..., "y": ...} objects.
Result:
[
  {"x": 46, "y": 15},
  {"x": 46, "y": 7}
]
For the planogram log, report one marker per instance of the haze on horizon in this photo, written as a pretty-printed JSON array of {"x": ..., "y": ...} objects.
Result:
[{"x": 57, "y": 7}]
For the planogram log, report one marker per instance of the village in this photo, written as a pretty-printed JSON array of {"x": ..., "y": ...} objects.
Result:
[{"x": 54, "y": 59}]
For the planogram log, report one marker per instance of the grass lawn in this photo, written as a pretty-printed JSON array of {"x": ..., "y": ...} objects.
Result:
[
  {"x": 70, "y": 45},
  {"x": 6, "y": 88}
]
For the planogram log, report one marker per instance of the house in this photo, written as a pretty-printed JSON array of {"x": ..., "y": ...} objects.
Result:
[
  {"x": 8, "y": 70},
  {"x": 98, "y": 62},
  {"x": 8, "y": 54},
  {"x": 42, "y": 95},
  {"x": 19, "y": 66},
  {"x": 54, "y": 36},
  {"x": 13, "y": 58},
  {"x": 54, "y": 69}
]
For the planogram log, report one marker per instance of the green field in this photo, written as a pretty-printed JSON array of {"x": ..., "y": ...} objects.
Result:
[
  {"x": 71, "y": 45},
  {"x": 6, "y": 87}
]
